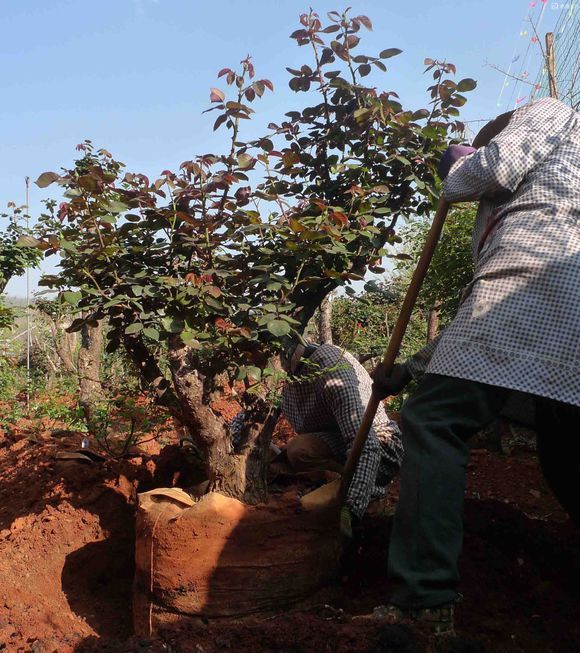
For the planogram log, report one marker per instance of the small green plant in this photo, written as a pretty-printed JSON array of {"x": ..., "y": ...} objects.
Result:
[
  {"x": 11, "y": 416},
  {"x": 12, "y": 380},
  {"x": 121, "y": 423},
  {"x": 58, "y": 411}
]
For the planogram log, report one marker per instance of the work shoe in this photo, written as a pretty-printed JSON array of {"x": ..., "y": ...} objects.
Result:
[{"x": 439, "y": 620}]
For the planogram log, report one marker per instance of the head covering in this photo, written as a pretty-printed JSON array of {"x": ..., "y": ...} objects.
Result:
[{"x": 492, "y": 129}]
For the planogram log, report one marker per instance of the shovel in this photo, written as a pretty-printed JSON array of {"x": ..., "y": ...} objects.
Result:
[{"x": 395, "y": 342}]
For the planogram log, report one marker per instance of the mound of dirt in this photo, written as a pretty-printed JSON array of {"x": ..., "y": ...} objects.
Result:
[{"x": 67, "y": 565}]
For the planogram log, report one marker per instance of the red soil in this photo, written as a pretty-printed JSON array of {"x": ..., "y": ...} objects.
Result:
[{"x": 66, "y": 564}]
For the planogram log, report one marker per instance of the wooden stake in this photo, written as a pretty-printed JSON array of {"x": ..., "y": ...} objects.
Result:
[
  {"x": 551, "y": 64},
  {"x": 395, "y": 341}
]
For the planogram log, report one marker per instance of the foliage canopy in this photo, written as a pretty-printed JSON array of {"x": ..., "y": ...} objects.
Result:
[{"x": 219, "y": 265}]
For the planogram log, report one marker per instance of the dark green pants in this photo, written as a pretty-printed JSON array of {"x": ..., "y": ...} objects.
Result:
[{"x": 437, "y": 422}]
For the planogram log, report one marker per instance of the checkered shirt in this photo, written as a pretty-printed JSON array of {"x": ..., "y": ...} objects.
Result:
[
  {"x": 330, "y": 405},
  {"x": 518, "y": 325}
]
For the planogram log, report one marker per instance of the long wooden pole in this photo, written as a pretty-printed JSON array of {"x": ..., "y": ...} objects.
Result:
[
  {"x": 395, "y": 341},
  {"x": 551, "y": 64}
]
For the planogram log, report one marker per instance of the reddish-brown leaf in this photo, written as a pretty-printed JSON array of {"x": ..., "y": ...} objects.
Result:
[
  {"x": 46, "y": 178},
  {"x": 366, "y": 21},
  {"x": 216, "y": 95},
  {"x": 339, "y": 217},
  {"x": 220, "y": 121},
  {"x": 222, "y": 325}
]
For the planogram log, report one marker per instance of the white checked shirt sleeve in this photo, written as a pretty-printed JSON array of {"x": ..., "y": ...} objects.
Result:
[
  {"x": 344, "y": 398},
  {"x": 518, "y": 326},
  {"x": 531, "y": 135},
  {"x": 418, "y": 363}
]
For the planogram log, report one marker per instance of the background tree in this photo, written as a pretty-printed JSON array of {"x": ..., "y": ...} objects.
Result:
[
  {"x": 56, "y": 318},
  {"x": 210, "y": 270},
  {"x": 325, "y": 321},
  {"x": 19, "y": 250},
  {"x": 451, "y": 268},
  {"x": 362, "y": 322}
]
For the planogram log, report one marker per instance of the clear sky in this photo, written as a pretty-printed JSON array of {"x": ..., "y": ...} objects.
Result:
[{"x": 134, "y": 75}]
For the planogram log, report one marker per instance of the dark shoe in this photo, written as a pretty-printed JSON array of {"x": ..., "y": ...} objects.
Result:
[{"x": 439, "y": 620}]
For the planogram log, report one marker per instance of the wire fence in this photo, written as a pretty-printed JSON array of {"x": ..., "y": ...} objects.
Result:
[{"x": 567, "y": 55}]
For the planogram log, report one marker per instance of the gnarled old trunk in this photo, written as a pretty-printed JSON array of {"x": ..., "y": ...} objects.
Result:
[{"x": 237, "y": 470}]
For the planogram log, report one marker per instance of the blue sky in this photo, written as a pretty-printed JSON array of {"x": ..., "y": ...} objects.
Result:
[{"x": 134, "y": 75}]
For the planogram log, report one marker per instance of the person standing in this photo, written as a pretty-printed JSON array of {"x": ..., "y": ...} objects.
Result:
[{"x": 517, "y": 328}]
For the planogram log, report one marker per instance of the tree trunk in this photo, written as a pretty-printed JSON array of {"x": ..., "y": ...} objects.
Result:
[
  {"x": 325, "y": 322},
  {"x": 89, "y": 371},
  {"x": 240, "y": 470},
  {"x": 433, "y": 322},
  {"x": 64, "y": 343}
]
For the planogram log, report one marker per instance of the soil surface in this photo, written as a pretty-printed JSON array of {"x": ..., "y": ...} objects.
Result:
[{"x": 67, "y": 543}]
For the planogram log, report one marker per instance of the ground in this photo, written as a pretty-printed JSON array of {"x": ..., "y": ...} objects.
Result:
[{"x": 66, "y": 562}]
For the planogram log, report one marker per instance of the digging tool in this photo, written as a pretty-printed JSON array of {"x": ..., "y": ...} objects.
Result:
[{"x": 395, "y": 342}]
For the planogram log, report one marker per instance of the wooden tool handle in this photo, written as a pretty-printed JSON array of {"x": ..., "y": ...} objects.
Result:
[{"x": 395, "y": 341}]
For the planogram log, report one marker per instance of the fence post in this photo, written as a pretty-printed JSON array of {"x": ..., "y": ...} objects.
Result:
[{"x": 551, "y": 64}]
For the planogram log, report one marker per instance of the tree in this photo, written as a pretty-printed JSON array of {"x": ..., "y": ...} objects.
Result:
[
  {"x": 451, "y": 268},
  {"x": 362, "y": 323},
  {"x": 325, "y": 321},
  {"x": 56, "y": 319},
  {"x": 19, "y": 250},
  {"x": 210, "y": 270}
]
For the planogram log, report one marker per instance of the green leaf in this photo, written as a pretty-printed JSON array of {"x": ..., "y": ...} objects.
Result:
[
  {"x": 72, "y": 297},
  {"x": 466, "y": 84},
  {"x": 114, "y": 206},
  {"x": 189, "y": 339},
  {"x": 296, "y": 225},
  {"x": 390, "y": 52},
  {"x": 213, "y": 303},
  {"x": 133, "y": 328},
  {"x": 28, "y": 241},
  {"x": 151, "y": 333},
  {"x": 46, "y": 178},
  {"x": 279, "y": 328},
  {"x": 173, "y": 324},
  {"x": 254, "y": 372}
]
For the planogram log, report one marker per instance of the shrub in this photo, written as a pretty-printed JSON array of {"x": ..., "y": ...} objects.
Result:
[{"x": 218, "y": 267}]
